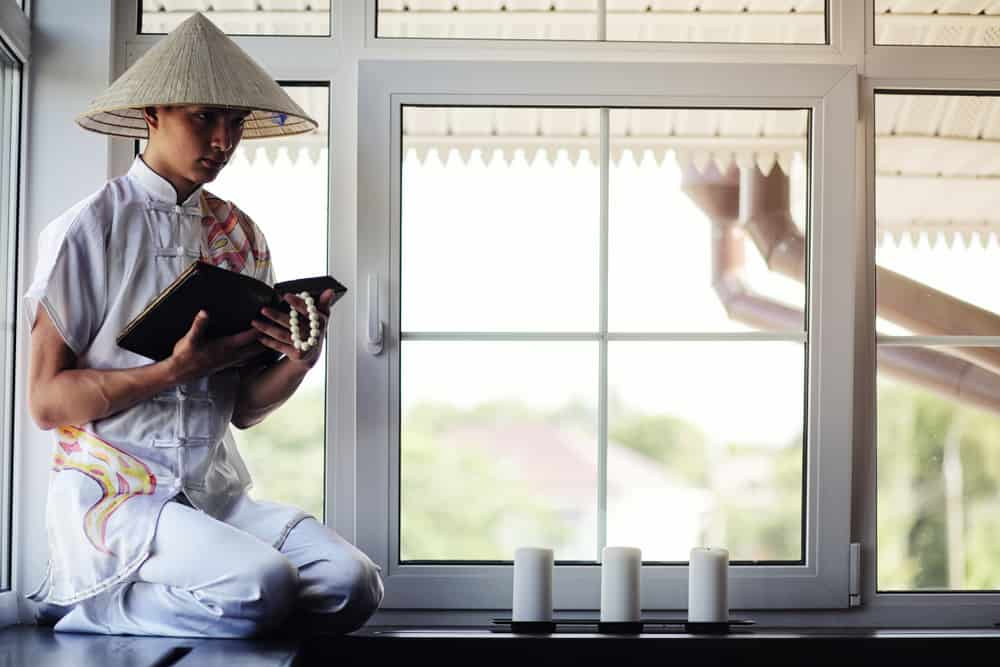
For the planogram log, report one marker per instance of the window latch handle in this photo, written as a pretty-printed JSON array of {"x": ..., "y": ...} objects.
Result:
[{"x": 375, "y": 328}]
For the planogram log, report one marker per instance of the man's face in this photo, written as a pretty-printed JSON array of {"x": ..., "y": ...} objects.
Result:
[{"x": 197, "y": 141}]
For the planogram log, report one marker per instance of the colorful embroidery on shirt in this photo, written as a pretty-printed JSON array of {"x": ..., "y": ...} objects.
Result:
[
  {"x": 231, "y": 242},
  {"x": 121, "y": 476}
]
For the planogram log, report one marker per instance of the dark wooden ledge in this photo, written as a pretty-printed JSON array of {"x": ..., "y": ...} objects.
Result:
[{"x": 33, "y": 646}]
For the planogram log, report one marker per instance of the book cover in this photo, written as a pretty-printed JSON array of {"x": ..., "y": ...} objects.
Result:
[{"x": 232, "y": 300}]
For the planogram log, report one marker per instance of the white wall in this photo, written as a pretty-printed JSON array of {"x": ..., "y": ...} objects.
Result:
[{"x": 71, "y": 64}]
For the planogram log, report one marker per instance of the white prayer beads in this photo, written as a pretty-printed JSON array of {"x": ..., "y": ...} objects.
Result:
[{"x": 293, "y": 324}]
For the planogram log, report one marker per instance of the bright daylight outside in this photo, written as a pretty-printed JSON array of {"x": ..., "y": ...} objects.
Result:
[
  {"x": 500, "y": 364},
  {"x": 938, "y": 426},
  {"x": 299, "y": 18},
  {"x": 503, "y": 384},
  {"x": 282, "y": 185},
  {"x": 720, "y": 21}
]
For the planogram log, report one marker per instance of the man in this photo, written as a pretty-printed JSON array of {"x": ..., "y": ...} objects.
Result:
[{"x": 149, "y": 525}]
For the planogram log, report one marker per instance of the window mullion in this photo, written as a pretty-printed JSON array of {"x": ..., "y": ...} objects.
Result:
[
  {"x": 602, "y": 389},
  {"x": 602, "y": 21}
]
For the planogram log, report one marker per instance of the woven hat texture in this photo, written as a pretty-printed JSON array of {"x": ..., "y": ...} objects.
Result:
[{"x": 196, "y": 64}]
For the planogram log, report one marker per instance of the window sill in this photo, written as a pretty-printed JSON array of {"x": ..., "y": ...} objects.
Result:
[{"x": 775, "y": 646}]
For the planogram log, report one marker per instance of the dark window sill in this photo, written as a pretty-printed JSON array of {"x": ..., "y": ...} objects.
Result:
[{"x": 32, "y": 645}]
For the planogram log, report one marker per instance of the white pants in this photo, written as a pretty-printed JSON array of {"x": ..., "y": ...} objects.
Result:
[{"x": 206, "y": 578}]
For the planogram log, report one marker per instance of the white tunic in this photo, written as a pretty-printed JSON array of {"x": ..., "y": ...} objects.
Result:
[{"x": 99, "y": 265}]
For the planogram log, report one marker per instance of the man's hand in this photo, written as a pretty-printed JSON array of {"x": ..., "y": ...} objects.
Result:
[
  {"x": 276, "y": 334},
  {"x": 195, "y": 357}
]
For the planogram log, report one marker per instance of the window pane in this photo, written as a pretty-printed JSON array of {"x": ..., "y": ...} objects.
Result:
[
  {"x": 10, "y": 110},
  {"x": 499, "y": 221},
  {"x": 285, "y": 452},
  {"x": 726, "y": 21},
  {"x": 705, "y": 447},
  {"x": 282, "y": 184},
  {"x": 936, "y": 213},
  {"x": 677, "y": 185},
  {"x": 490, "y": 461},
  {"x": 937, "y": 23},
  {"x": 718, "y": 21},
  {"x": 240, "y": 17},
  {"x": 938, "y": 469}
]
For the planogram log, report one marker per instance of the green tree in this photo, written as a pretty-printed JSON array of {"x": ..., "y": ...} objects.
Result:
[
  {"x": 285, "y": 452},
  {"x": 459, "y": 503},
  {"x": 674, "y": 443}
]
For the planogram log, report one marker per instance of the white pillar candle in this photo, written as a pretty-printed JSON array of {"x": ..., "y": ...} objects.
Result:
[
  {"x": 620, "y": 601},
  {"x": 532, "y": 585},
  {"x": 708, "y": 579}
]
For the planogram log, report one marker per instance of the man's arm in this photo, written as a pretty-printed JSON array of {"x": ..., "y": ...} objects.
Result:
[
  {"x": 262, "y": 390},
  {"x": 60, "y": 394},
  {"x": 265, "y": 389}
]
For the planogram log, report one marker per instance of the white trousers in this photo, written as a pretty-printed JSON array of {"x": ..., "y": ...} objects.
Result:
[{"x": 206, "y": 578}]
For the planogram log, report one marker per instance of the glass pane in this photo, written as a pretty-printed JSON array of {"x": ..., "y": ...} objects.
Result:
[
  {"x": 240, "y": 17},
  {"x": 686, "y": 251},
  {"x": 705, "y": 447},
  {"x": 285, "y": 452},
  {"x": 936, "y": 213},
  {"x": 757, "y": 21},
  {"x": 937, "y": 23},
  {"x": 10, "y": 108},
  {"x": 500, "y": 220},
  {"x": 718, "y": 21},
  {"x": 489, "y": 19},
  {"x": 490, "y": 461},
  {"x": 938, "y": 469}
]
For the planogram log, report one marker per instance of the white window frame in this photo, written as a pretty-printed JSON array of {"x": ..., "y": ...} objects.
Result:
[
  {"x": 830, "y": 92},
  {"x": 15, "y": 33},
  {"x": 357, "y": 417},
  {"x": 961, "y": 607},
  {"x": 897, "y": 68}
]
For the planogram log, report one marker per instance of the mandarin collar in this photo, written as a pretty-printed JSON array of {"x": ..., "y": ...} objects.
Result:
[{"x": 159, "y": 188}]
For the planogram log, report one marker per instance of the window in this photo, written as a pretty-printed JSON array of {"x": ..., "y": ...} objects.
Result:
[
  {"x": 282, "y": 185},
  {"x": 487, "y": 188},
  {"x": 433, "y": 442},
  {"x": 712, "y": 21},
  {"x": 936, "y": 23},
  {"x": 938, "y": 424},
  {"x": 240, "y": 17},
  {"x": 10, "y": 133},
  {"x": 581, "y": 295}
]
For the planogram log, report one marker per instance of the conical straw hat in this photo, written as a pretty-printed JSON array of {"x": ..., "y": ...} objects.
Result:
[{"x": 196, "y": 64}]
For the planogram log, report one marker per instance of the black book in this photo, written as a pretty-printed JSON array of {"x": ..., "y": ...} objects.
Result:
[{"x": 232, "y": 300}]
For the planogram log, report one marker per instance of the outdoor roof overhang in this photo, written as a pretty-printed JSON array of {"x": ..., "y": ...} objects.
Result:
[{"x": 937, "y": 158}]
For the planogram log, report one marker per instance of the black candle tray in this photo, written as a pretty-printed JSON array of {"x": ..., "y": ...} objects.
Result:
[{"x": 616, "y": 628}]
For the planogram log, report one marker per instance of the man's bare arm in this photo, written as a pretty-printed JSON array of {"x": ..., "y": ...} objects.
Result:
[
  {"x": 59, "y": 393},
  {"x": 264, "y": 390}
]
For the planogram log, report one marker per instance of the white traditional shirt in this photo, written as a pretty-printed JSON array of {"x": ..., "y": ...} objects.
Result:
[{"x": 99, "y": 264}]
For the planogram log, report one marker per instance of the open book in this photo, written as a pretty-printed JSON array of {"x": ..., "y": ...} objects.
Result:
[{"x": 232, "y": 300}]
